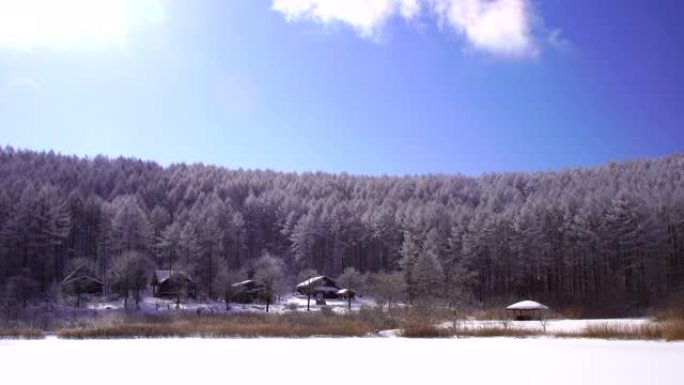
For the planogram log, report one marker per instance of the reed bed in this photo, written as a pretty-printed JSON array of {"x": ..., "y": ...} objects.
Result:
[
  {"x": 294, "y": 325},
  {"x": 431, "y": 331},
  {"x": 20, "y": 332},
  {"x": 669, "y": 330}
]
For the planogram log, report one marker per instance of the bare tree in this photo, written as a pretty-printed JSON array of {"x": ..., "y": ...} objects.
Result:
[
  {"x": 389, "y": 287},
  {"x": 131, "y": 272},
  {"x": 268, "y": 272},
  {"x": 306, "y": 275},
  {"x": 223, "y": 284}
]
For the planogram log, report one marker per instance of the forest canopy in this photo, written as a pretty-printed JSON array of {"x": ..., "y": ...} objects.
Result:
[{"x": 606, "y": 234}]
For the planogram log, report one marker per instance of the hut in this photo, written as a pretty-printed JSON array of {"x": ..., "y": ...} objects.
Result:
[
  {"x": 83, "y": 284},
  {"x": 170, "y": 284},
  {"x": 247, "y": 291},
  {"x": 318, "y": 287},
  {"x": 347, "y": 294},
  {"x": 527, "y": 310}
]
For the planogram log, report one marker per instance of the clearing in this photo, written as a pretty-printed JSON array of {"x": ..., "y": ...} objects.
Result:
[{"x": 342, "y": 361}]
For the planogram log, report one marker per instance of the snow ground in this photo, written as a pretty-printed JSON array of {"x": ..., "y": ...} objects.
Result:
[
  {"x": 362, "y": 360},
  {"x": 552, "y": 325},
  {"x": 287, "y": 303}
]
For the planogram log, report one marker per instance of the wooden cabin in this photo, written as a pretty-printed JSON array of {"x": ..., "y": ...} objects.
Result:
[
  {"x": 247, "y": 291},
  {"x": 319, "y": 287},
  {"x": 527, "y": 310},
  {"x": 83, "y": 284},
  {"x": 171, "y": 283}
]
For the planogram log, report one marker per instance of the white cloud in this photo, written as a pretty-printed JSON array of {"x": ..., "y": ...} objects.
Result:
[
  {"x": 73, "y": 24},
  {"x": 366, "y": 16},
  {"x": 499, "y": 27},
  {"x": 558, "y": 41}
]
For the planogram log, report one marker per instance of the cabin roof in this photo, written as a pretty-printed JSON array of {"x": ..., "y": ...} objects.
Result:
[
  {"x": 160, "y": 276},
  {"x": 527, "y": 305},
  {"x": 81, "y": 278},
  {"x": 247, "y": 282},
  {"x": 314, "y": 281}
]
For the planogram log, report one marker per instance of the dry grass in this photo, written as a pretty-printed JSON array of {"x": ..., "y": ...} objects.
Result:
[
  {"x": 650, "y": 331},
  {"x": 424, "y": 331},
  {"x": 284, "y": 325},
  {"x": 673, "y": 330},
  {"x": 20, "y": 333},
  {"x": 669, "y": 330},
  {"x": 432, "y": 331},
  {"x": 494, "y": 331}
]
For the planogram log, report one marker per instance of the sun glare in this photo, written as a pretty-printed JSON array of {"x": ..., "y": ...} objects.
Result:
[{"x": 72, "y": 24}]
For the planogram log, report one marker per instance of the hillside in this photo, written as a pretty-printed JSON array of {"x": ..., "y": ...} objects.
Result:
[{"x": 612, "y": 234}]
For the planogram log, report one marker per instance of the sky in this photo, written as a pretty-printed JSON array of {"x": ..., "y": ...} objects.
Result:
[{"x": 360, "y": 86}]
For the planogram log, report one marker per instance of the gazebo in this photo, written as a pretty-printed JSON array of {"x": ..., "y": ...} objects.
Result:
[
  {"x": 527, "y": 310},
  {"x": 348, "y": 294}
]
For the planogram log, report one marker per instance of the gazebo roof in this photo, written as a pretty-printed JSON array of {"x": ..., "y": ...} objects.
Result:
[{"x": 527, "y": 305}]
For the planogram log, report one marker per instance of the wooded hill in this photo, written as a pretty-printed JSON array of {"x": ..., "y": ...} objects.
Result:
[{"x": 591, "y": 236}]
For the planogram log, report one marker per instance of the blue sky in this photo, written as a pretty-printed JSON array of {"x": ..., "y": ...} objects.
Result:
[{"x": 362, "y": 86}]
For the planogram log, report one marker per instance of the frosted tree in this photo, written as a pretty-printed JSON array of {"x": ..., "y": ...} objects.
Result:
[
  {"x": 131, "y": 271},
  {"x": 588, "y": 237},
  {"x": 131, "y": 226},
  {"x": 429, "y": 278},
  {"x": 388, "y": 287},
  {"x": 352, "y": 279},
  {"x": 268, "y": 271}
]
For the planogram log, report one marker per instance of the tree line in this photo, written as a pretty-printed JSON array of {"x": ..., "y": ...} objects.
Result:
[{"x": 598, "y": 236}]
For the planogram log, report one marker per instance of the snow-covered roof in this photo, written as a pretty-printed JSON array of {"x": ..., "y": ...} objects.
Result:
[
  {"x": 247, "y": 283},
  {"x": 313, "y": 281},
  {"x": 163, "y": 275},
  {"x": 345, "y": 291},
  {"x": 242, "y": 283},
  {"x": 527, "y": 305}
]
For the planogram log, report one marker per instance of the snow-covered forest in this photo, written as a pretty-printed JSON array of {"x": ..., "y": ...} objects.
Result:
[{"x": 612, "y": 234}]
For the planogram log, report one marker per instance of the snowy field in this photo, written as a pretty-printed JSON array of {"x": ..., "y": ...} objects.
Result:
[
  {"x": 552, "y": 325},
  {"x": 287, "y": 303},
  {"x": 341, "y": 361}
]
